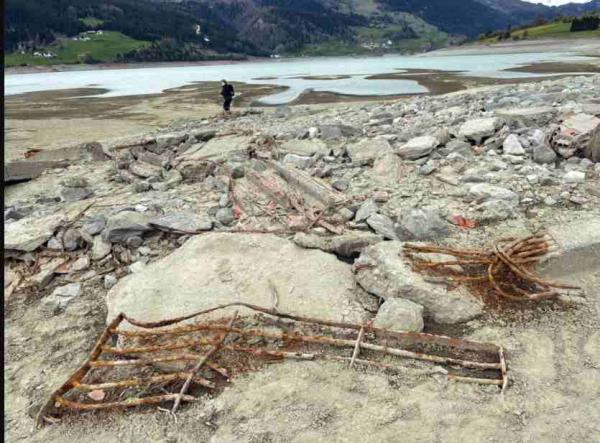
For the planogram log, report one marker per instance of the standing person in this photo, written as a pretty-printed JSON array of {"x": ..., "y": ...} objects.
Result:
[{"x": 228, "y": 93}]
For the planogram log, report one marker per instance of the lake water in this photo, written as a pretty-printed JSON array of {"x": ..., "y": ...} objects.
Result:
[{"x": 286, "y": 72}]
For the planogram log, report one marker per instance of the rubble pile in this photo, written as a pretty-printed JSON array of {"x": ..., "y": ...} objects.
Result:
[{"x": 337, "y": 191}]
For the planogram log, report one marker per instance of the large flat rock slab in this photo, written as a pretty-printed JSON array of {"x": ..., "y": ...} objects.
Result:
[
  {"x": 23, "y": 170},
  {"x": 220, "y": 268},
  {"x": 220, "y": 147}
]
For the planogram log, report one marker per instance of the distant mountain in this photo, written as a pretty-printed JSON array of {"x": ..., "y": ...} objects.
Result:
[{"x": 197, "y": 29}]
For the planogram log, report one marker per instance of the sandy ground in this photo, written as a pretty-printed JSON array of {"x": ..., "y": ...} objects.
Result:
[
  {"x": 55, "y": 119},
  {"x": 553, "y": 355}
]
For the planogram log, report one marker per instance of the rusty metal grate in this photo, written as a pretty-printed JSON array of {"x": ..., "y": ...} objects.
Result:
[{"x": 135, "y": 363}]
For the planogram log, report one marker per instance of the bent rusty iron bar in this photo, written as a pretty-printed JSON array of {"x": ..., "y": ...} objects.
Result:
[
  {"x": 325, "y": 340},
  {"x": 414, "y": 337},
  {"x": 123, "y": 404},
  {"x": 143, "y": 381}
]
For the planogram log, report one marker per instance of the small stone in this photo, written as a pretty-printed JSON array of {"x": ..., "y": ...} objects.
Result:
[
  {"x": 382, "y": 225},
  {"x": 574, "y": 177},
  {"x": 224, "y": 201},
  {"x": 140, "y": 187},
  {"x": 427, "y": 168},
  {"x": 479, "y": 129},
  {"x": 398, "y": 314},
  {"x": 238, "y": 172},
  {"x": 61, "y": 297},
  {"x": 54, "y": 244},
  {"x": 225, "y": 216},
  {"x": 72, "y": 239},
  {"x": 418, "y": 147},
  {"x": 543, "y": 154},
  {"x": 183, "y": 222},
  {"x": 134, "y": 242},
  {"x": 483, "y": 192},
  {"x": 94, "y": 226},
  {"x": 100, "y": 248},
  {"x": 75, "y": 194},
  {"x": 81, "y": 264},
  {"x": 136, "y": 267},
  {"x": 512, "y": 146},
  {"x": 368, "y": 208},
  {"x": 340, "y": 185},
  {"x": 298, "y": 161},
  {"x": 421, "y": 224},
  {"x": 125, "y": 224}
]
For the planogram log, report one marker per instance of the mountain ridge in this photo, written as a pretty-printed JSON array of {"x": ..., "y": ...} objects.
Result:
[{"x": 197, "y": 29}]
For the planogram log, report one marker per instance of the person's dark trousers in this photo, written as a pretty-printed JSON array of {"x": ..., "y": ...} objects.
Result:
[{"x": 227, "y": 103}]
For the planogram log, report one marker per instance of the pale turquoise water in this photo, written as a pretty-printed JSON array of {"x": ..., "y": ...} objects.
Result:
[{"x": 137, "y": 81}]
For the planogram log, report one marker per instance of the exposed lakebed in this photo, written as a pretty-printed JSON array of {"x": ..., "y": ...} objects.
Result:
[{"x": 353, "y": 76}]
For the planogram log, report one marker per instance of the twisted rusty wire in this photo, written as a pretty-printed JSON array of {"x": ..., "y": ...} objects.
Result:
[{"x": 504, "y": 271}]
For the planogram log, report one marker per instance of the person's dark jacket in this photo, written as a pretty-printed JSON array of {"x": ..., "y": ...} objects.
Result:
[{"x": 227, "y": 91}]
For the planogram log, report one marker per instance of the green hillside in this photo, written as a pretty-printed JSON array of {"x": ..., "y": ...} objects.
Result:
[
  {"x": 558, "y": 29},
  {"x": 100, "y": 48}
]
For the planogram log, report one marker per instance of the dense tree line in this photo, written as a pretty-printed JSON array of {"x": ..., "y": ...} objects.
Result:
[{"x": 589, "y": 23}]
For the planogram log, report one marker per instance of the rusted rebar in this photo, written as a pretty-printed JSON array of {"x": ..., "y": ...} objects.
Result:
[
  {"x": 153, "y": 347},
  {"x": 506, "y": 267},
  {"x": 215, "y": 348}
]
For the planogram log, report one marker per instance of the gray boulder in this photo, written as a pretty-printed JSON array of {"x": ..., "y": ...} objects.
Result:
[
  {"x": 479, "y": 129},
  {"x": 367, "y": 150},
  {"x": 527, "y": 117},
  {"x": 225, "y": 216},
  {"x": 481, "y": 192},
  {"x": 94, "y": 226},
  {"x": 418, "y": 147},
  {"x": 144, "y": 170},
  {"x": 70, "y": 194},
  {"x": 304, "y": 148},
  {"x": 421, "y": 224},
  {"x": 383, "y": 226},
  {"x": 398, "y": 314},
  {"x": 543, "y": 154},
  {"x": 347, "y": 245},
  {"x": 100, "y": 248},
  {"x": 512, "y": 146},
  {"x": 182, "y": 222},
  {"x": 367, "y": 209},
  {"x": 298, "y": 161},
  {"x": 382, "y": 271},
  {"x": 125, "y": 224},
  {"x": 29, "y": 233},
  {"x": 60, "y": 298}
]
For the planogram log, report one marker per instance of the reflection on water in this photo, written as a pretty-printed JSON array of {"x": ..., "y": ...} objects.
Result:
[{"x": 297, "y": 74}]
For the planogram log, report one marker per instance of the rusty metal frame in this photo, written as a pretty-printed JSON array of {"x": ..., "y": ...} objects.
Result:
[{"x": 463, "y": 360}]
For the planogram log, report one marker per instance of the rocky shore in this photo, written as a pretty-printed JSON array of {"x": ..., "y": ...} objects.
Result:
[{"x": 314, "y": 204}]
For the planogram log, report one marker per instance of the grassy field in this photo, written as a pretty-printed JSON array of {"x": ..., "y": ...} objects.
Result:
[
  {"x": 100, "y": 48},
  {"x": 550, "y": 30}
]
